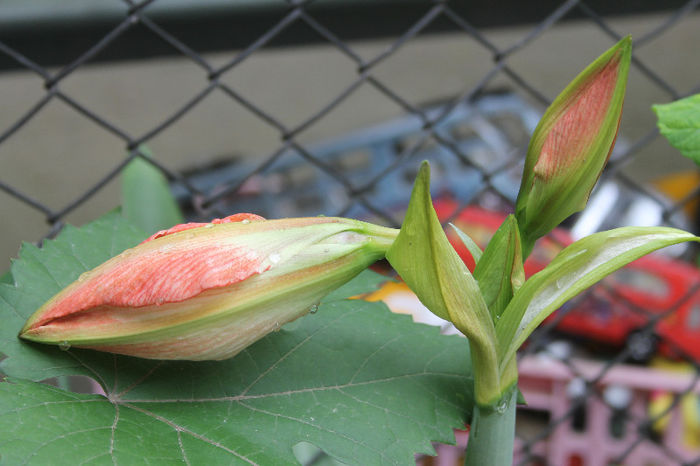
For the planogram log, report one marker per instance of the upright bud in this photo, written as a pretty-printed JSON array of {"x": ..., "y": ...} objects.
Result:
[
  {"x": 572, "y": 144},
  {"x": 206, "y": 291}
]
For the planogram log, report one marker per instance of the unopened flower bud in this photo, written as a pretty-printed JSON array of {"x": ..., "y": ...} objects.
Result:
[
  {"x": 572, "y": 144},
  {"x": 207, "y": 291}
]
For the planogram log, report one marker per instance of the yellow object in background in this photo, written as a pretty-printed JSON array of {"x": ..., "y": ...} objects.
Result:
[
  {"x": 689, "y": 406},
  {"x": 680, "y": 185},
  {"x": 400, "y": 299}
]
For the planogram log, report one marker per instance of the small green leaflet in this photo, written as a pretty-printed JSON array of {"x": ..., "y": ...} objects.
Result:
[
  {"x": 679, "y": 122},
  {"x": 363, "y": 384}
]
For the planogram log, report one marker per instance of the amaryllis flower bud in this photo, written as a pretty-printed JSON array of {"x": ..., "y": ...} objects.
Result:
[
  {"x": 572, "y": 144},
  {"x": 206, "y": 291}
]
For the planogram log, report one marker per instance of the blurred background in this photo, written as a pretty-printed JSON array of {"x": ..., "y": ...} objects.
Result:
[{"x": 290, "y": 108}]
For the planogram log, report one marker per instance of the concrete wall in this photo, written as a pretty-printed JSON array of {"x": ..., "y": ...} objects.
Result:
[{"x": 59, "y": 154}]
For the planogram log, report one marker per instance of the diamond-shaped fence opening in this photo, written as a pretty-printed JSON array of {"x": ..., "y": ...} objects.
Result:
[{"x": 306, "y": 108}]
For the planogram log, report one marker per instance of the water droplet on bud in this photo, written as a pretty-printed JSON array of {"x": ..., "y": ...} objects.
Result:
[
  {"x": 313, "y": 309},
  {"x": 64, "y": 346},
  {"x": 209, "y": 225},
  {"x": 245, "y": 221},
  {"x": 275, "y": 258},
  {"x": 502, "y": 405}
]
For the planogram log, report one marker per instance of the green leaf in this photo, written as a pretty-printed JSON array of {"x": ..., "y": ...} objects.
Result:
[
  {"x": 501, "y": 272},
  {"x": 469, "y": 243},
  {"x": 426, "y": 261},
  {"x": 370, "y": 282},
  {"x": 576, "y": 268},
  {"x": 146, "y": 198},
  {"x": 41, "y": 273},
  {"x": 363, "y": 384},
  {"x": 679, "y": 122}
]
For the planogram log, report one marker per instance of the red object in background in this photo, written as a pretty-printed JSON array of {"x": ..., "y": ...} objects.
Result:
[{"x": 652, "y": 287}]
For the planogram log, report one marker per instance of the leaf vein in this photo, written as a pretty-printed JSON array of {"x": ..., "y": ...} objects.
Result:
[{"x": 179, "y": 428}]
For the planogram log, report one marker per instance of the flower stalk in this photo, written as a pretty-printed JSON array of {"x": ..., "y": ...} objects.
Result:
[{"x": 496, "y": 308}]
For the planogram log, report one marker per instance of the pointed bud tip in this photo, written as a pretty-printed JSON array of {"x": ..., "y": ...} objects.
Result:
[{"x": 572, "y": 143}]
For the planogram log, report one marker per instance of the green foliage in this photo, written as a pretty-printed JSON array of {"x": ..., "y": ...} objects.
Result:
[
  {"x": 146, "y": 198},
  {"x": 576, "y": 268},
  {"x": 679, "y": 122},
  {"x": 363, "y": 384}
]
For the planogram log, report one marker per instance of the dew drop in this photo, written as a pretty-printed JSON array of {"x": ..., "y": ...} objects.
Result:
[
  {"x": 560, "y": 283},
  {"x": 82, "y": 277},
  {"x": 274, "y": 258},
  {"x": 277, "y": 327},
  {"x": 64, "y": 346},
  {"x": 245, "y": 221},
  {"x": 313, "y": 309},
  {"x": 209, "y": 225},
  {"x": 160, "y": 301},
  {"x": 502, "y": 405}
]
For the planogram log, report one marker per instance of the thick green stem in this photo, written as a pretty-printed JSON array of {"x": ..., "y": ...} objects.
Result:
[{"x": 492, "y": 432}]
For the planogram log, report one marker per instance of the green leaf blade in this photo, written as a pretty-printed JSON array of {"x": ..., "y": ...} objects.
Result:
[
  {"x": 38, "y": 275},
  {"x": 576, "y": 268},
  {"x": 363, "y": 384},
  {"x": 146, "y": 198},
  {"x": 679, "y": 122}
]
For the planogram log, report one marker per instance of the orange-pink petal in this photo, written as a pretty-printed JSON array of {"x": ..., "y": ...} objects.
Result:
[
  {"x": 157, "y": 276},
  {"x": 579, "y": 125}
]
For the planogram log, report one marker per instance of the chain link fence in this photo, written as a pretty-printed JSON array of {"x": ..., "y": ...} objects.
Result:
[{"x": 588, "y": 404}]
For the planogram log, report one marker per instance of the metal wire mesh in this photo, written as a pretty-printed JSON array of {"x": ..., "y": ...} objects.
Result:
[{"x": 475, "y": 139}]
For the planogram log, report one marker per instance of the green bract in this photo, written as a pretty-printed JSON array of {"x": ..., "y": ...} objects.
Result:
[
  {"x": 428, "y": 263},
  {"x": 500, "y": 271}
]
